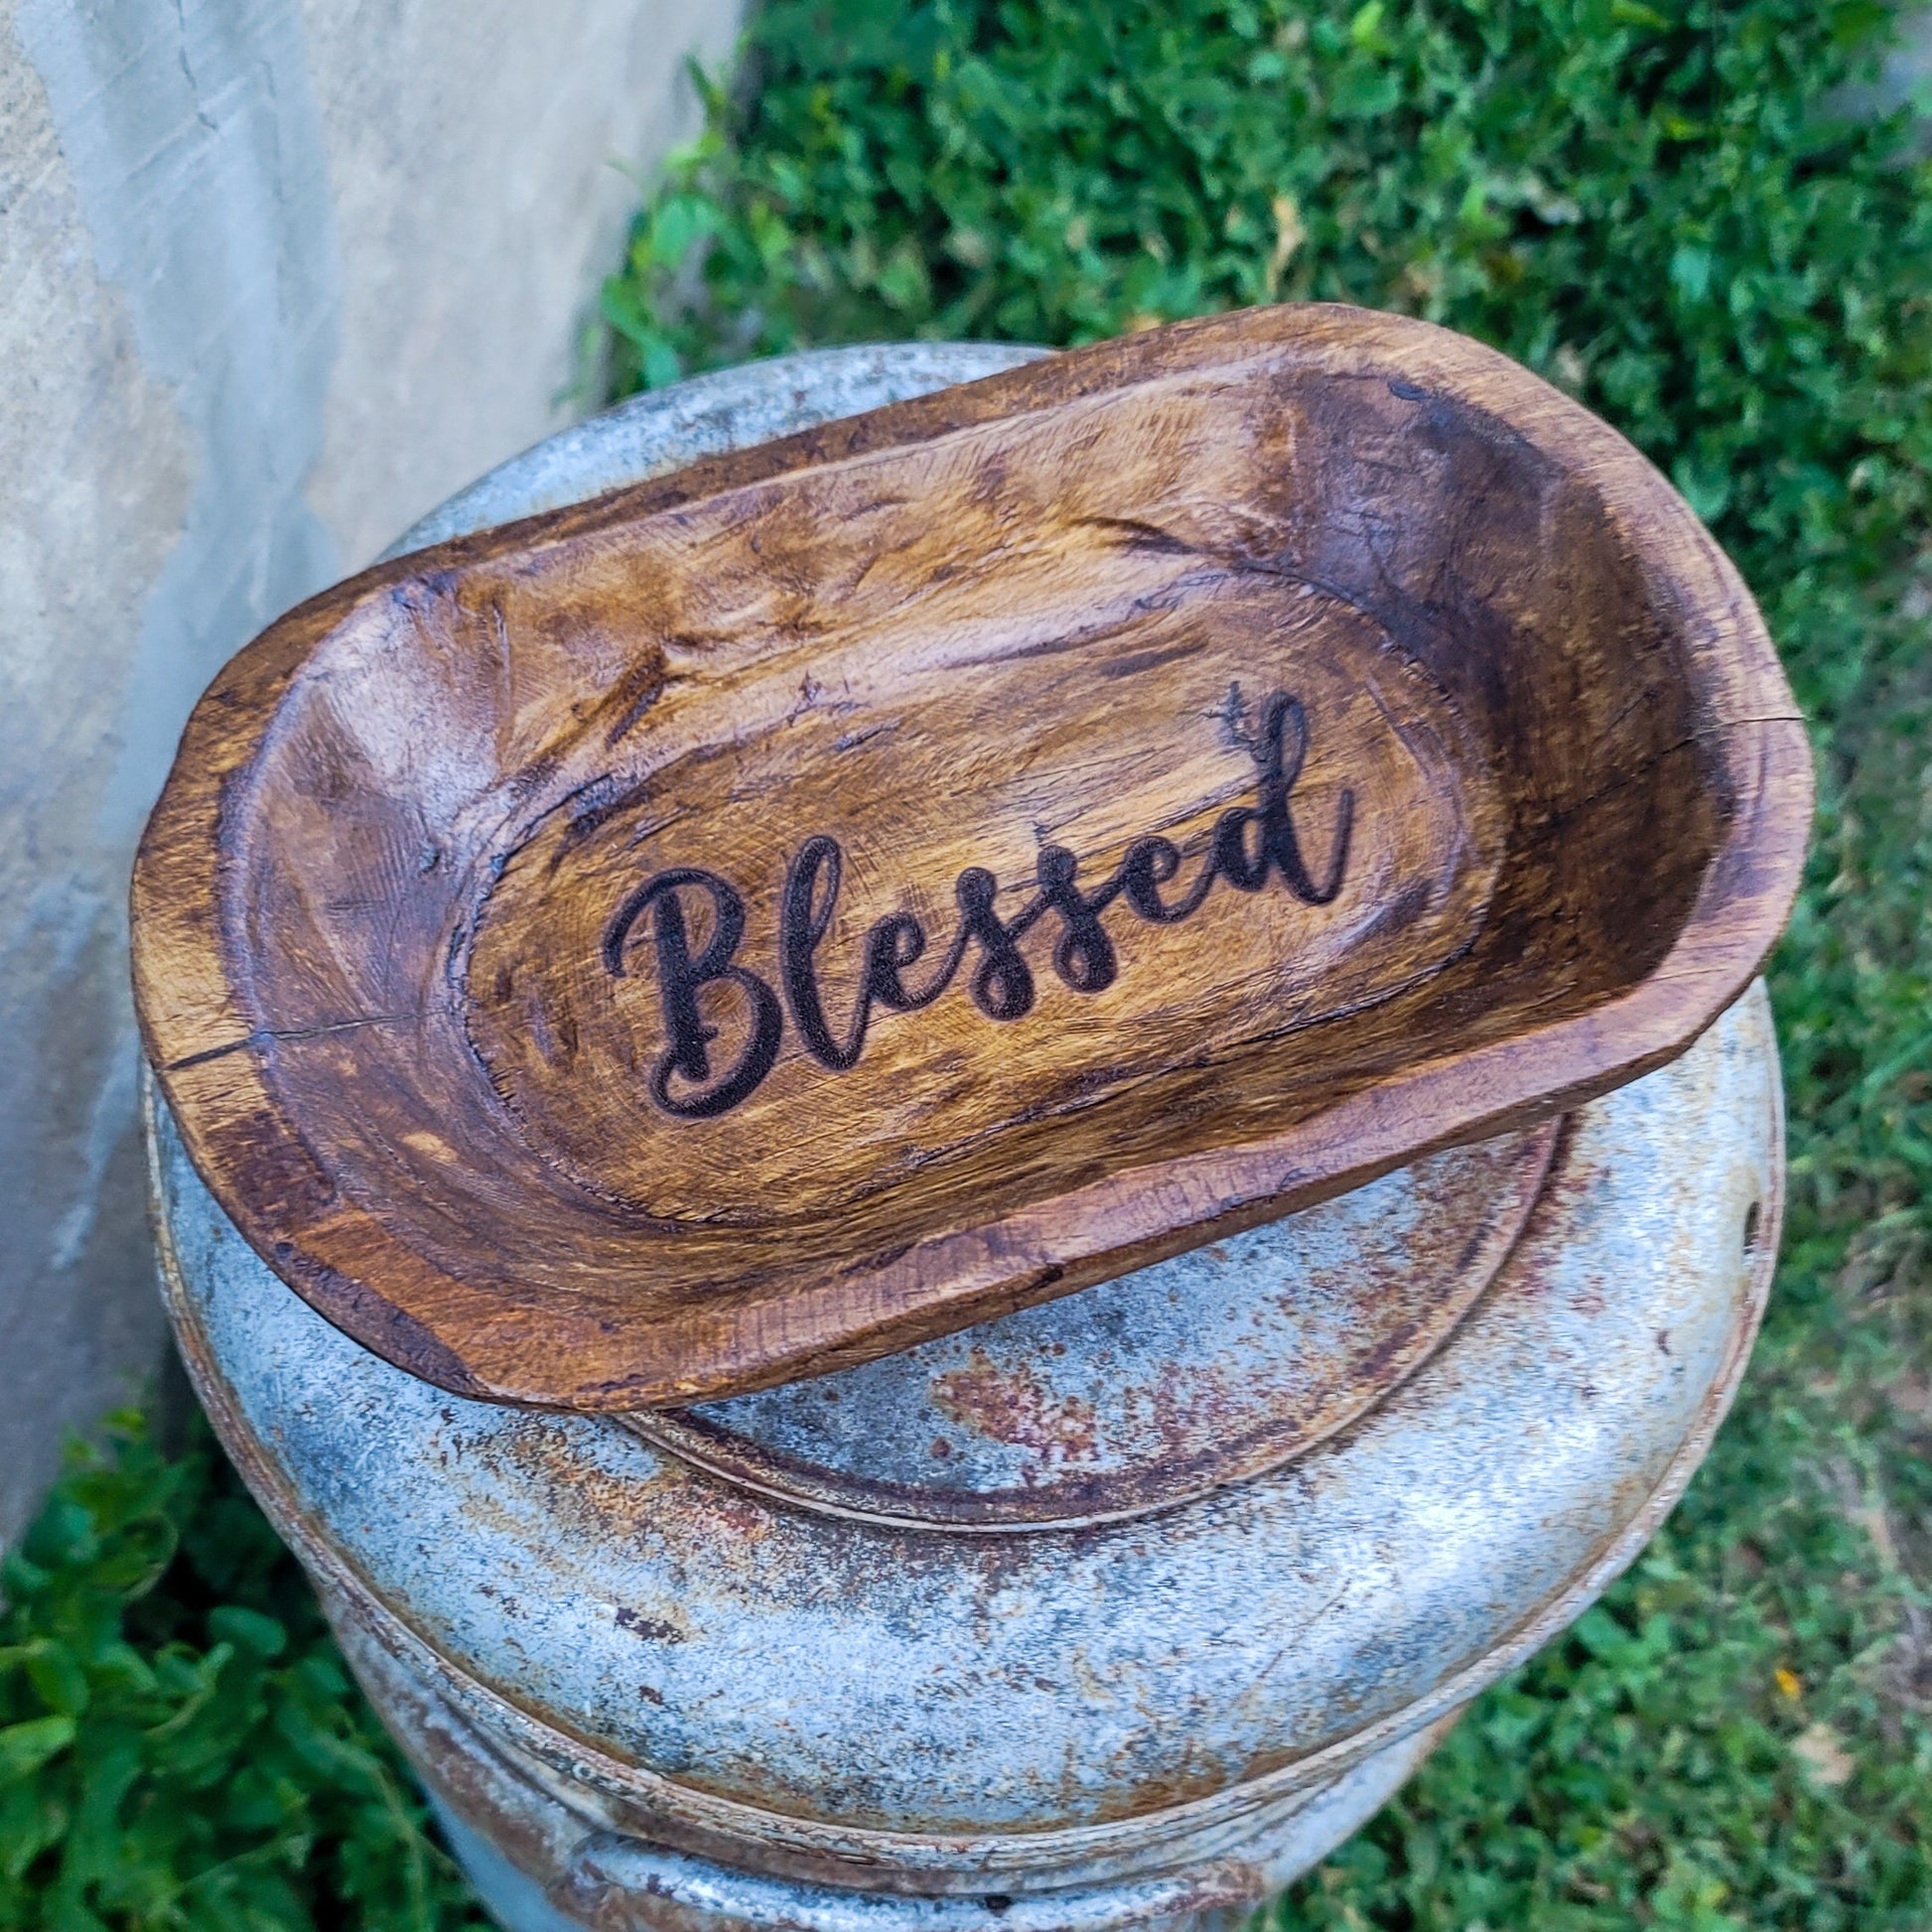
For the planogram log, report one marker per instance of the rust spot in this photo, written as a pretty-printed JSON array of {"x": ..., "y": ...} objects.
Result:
[
  {"x": 1012, "y": 1406},
  {"x": 653, "y": 1628}
]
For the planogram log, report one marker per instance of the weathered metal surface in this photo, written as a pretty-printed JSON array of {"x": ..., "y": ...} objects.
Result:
[
  {"x": 731, "y": 409},
  {"x": 1146, "y": 1391},
  {"x": 872, "y": 1679},
  {"x": 535, "y": 1847},
  {"x": 760, "y": 1644}
]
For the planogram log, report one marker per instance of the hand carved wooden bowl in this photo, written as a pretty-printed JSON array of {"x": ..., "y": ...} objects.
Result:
[{"x": 850, "y": 889}]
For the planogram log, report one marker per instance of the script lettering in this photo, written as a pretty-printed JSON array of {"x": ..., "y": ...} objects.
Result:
[{"x": 1250, "y": 845}]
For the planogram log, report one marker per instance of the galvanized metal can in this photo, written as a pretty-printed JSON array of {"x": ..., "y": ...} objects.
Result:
[{"x": 1122, "y": 1611}]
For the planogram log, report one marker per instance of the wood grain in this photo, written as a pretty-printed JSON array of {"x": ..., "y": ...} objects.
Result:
[{"x": 858, "y": 886}]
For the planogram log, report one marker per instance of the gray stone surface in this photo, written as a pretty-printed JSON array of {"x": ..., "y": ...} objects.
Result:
[{"x": 275, "y": 277}]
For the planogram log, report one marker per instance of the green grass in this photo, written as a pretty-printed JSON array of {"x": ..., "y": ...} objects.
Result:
[
  {"x": 1656, "y": 205},
  {"x": 180, "y": 1743}
]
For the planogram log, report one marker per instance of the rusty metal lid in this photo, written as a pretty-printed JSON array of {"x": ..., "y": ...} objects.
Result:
[{"x": 1144, "y": 1391}]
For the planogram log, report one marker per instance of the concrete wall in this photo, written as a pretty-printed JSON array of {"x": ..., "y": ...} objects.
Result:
[{"x": 275, "y": 276}]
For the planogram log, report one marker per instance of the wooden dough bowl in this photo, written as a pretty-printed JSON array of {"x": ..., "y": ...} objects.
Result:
[{"x": 858, "y": 886}]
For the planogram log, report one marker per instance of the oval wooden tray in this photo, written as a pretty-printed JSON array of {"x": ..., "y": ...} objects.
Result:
[{"x": 853, "y": 887}]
